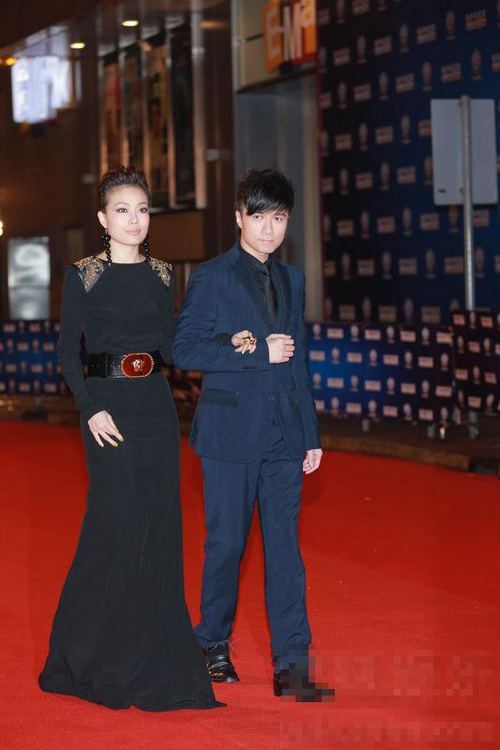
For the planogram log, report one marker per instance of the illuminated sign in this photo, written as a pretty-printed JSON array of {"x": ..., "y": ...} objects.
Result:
[
  {"x": 29, "y": 277},
  {"x": 289, "y": 32},
  {"x": 40, "y": 86}
]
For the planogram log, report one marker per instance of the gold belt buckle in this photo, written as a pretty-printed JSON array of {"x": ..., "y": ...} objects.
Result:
[{"x": 137, "y": 365}]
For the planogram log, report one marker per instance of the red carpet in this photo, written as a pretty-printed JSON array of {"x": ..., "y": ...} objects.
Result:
[{"x": 403, "y": 567}]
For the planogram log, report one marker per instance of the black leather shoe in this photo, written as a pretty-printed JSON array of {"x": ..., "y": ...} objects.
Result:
[
  {"x": 297, "y": 685},
  {"x": 219, "y": 664}
]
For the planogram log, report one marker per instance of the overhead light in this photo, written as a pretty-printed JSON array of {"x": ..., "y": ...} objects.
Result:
[
  {"x": 11, "y": 60},
  {"x": 1, "y": 228},
  {"x": 130, "y": 23},
  {"x": 77, "y": 45}
]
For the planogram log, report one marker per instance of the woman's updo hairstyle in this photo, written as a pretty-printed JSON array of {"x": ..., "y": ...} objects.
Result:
[{"x": 120, "y": 177}]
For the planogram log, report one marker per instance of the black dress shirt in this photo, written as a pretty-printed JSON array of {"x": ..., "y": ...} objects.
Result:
[{"x": 263, "y": 273}]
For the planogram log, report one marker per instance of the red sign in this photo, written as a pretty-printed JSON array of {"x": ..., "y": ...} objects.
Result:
[{"x": 289, "y": 32}]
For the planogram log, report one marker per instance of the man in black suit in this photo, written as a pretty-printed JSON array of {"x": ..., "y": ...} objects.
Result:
[{"x": 255, "y": 427}]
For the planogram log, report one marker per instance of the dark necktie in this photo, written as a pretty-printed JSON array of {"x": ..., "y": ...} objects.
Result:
[{"x": 269, "y": 292}]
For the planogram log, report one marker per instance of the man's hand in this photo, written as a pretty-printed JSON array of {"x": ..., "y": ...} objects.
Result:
[
  {"x": 312, "y": 460},
  {"x": 281, "y": 348},
  {"x": 102, "y": 427}
]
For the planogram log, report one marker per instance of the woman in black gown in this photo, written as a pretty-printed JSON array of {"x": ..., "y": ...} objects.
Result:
[{"x": 121, "y": 634}]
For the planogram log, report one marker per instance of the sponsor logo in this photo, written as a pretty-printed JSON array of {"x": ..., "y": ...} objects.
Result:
[
  {"x": 340, "y": 11},
  {"x": 384, "y": 134},
  {"x": 407, "y": 175},
  {"x": 386, "y": 225},
  {"x": 343, "y": 142},
  {"x": 324, "y": 18},
  {"x": 408, "y": 267},
  {"x": 444, "y": 391},
  {"x": 382, "y": 45},
  {"x": 426, "y": 362},
  {"x": 327, "y": 185},
  {"x": 325, "y": 100},
  {"x": 475, "y": 20},
  {"x": 429, "y": 222},
  {"x": 425, "y": 128},
  {"x": 454, "y": 265},
  {"x": 335, "y": 383},
  {"x": 360, "y": 6},
  {"x": 405, "y": 83},
  {"x": 361, "y": 49},
  {"x": 444, "y": 337},
  {"x": 408, "y": 389},
  {"x": 347, "y": 312},
  {"x": 474, "y": 402},
  {"x": 354, "y": 358},
  {"x": 345, "y": 228},
  {"x": 390, "y": 411},
  {"x": 317, "y": 356},
  {"x": 409, "y": 337},
  {"x": 335, "y": 333},
  {"x": 364, "y": 181},
  {"x": 373, "y": 386},
  {"x": 341, "y": 56},
  {"x": 391, "y": 360},
  {"x": 330, "y": 269},
  {"x": 481, "y": 217},
  {"x": 431, "y": 314},
  {"x": 366, "y": 267},
  {"x": 404, "y": 38},
  {"x": 495, "y": 62},
  {"x": 451, "y": 73},
  {"x": 363, "y": 92},
  {"x": 387, "y": 313},
  {"x": 426, "y": 415},
  {"x": 426, "y": 34},
  {"x": 353, "y": 408},
  {"x": 372, "y": 334}
]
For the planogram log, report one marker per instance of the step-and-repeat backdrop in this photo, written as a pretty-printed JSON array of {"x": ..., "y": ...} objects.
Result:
[
  {"x": 359, "y": 370},
  {"x": 406, "y": 372},
  {"x": 390, "y": 254}
]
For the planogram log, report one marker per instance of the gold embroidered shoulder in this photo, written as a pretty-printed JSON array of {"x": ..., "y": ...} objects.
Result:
[
  {"x": 90, "y": 270},
  {"x": 162, "y": 269}
]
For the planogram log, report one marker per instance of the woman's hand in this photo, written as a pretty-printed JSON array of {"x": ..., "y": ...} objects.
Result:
[
  {"x": 243, "y": 339},
  {"x": 102, "y": 427}
]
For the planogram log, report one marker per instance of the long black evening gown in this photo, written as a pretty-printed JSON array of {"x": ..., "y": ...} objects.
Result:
[{"x": 122, "y": 635}]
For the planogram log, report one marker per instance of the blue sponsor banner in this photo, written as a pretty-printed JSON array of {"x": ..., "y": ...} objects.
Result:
[
  {"x": 477, "y": 361},
  {"x": 412, "y": 373},
  {"x": 390, "y": 255},
  {"x": 28, "y": 358}
]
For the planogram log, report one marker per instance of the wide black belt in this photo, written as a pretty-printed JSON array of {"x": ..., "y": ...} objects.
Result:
[{"x": 130, "y": 365}]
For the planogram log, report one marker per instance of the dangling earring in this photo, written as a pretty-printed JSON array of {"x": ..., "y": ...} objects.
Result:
[
  {"x": 147, "y": 252},
  {"x": 106, "y": 241}
]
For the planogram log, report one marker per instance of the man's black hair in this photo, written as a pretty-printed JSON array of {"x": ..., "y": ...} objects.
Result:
[{"x": 261, "y": 190}]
